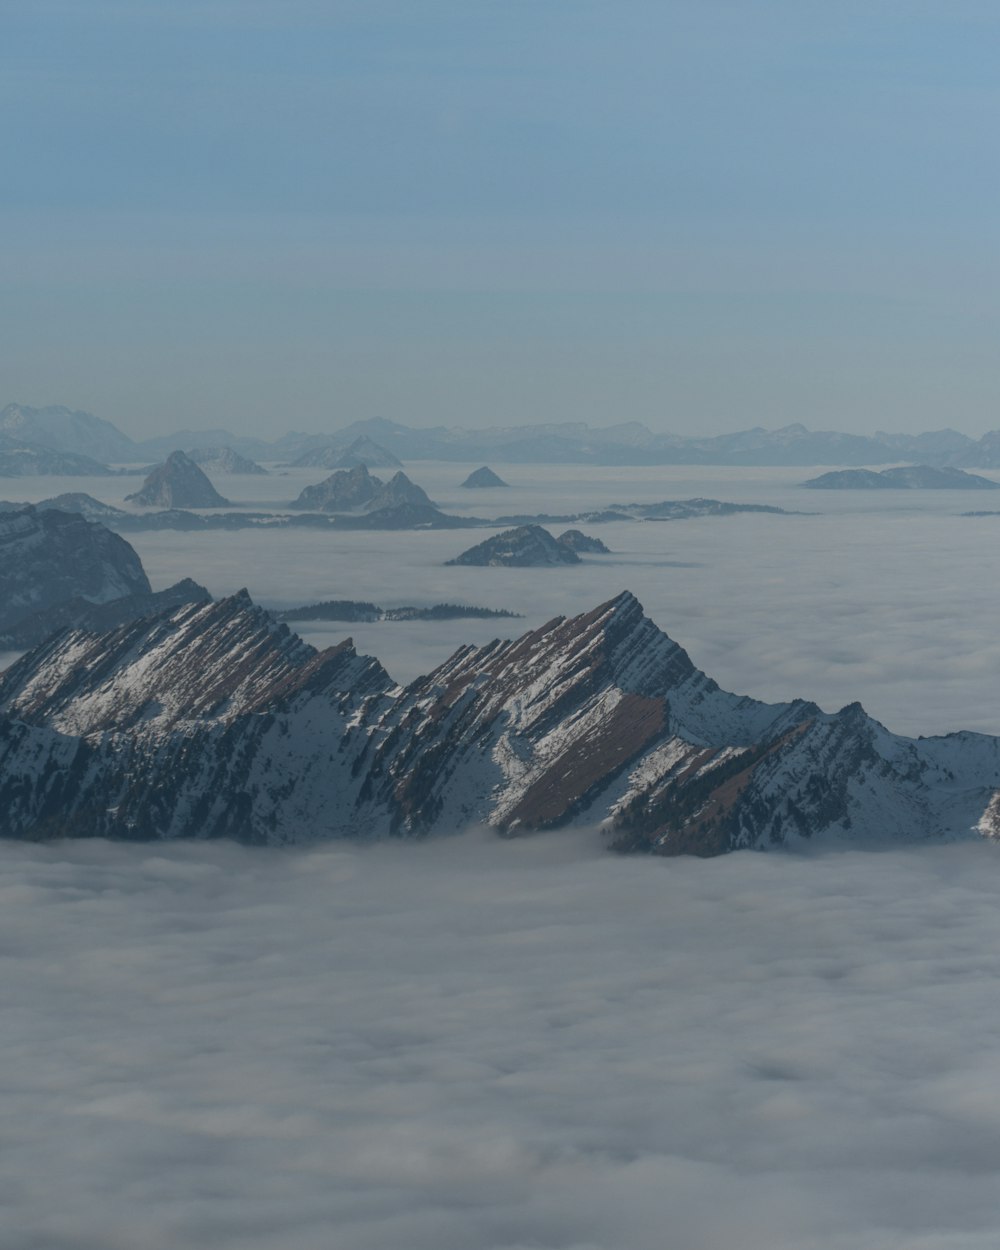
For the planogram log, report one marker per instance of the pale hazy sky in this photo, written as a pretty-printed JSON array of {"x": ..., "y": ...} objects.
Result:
[{"x": 704, "y": 215}]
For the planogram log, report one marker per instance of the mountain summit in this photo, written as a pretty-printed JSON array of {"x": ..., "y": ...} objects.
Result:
[
  {"x": 178, "y": 483},
  {"x": 210, "y": 719}
]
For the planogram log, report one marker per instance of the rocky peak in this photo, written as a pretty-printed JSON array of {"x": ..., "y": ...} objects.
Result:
[
  {"x": 200, "y": 662},
  {"x": 178, "y": 483},
  {"x": 48, "y": 556},
  {"x": 526, "y": 546},
  {"x": 342, "y": 491},
  {"x": 398, "y": 490},
  {"x": 211, "y": 720},
  {"x": 483, "y": 479},
  {"x": 577, "y": 541}
]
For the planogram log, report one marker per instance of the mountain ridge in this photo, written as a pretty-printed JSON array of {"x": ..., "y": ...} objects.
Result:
[
  {"x": 62, "y": 429},
  {"x": 213, "y": 720}
]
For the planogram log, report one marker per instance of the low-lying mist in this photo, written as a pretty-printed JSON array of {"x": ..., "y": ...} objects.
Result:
[{"x": 476, "y": 1044}]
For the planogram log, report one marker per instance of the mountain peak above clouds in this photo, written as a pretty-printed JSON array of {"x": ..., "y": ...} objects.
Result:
[
  {"x": 211, "y": 720},
  {"x": 178, "y": 483}
]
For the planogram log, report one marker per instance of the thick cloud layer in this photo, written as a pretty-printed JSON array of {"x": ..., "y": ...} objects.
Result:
[
  {"x": 885, "y": 598},
  {"x": 480, "y": 1045}
]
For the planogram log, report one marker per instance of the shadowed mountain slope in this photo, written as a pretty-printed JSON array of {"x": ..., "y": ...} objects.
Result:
[{"x": 213, "y": 720}]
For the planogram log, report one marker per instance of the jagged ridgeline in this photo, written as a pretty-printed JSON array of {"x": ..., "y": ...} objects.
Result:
[{"x": 213, "y": 720}]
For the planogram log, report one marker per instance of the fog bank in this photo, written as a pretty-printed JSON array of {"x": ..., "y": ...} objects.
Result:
[{"x": 475, "y": 1045}]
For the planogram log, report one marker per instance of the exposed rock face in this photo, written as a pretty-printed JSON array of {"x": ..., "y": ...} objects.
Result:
[
  {"x": 212, "y": 720},
  {"x": 342, "y": 491},
  {"x": 483, "y": 478},
  {"x": 349, "y": 490},
  {"x": 225, "y": 460},
  {"x": 397, "y": 491},
  {"x": 178, "y": 483},
  {"x": 19, "y": 459},
  {"x": 48, "y": 557},
  {"x": 577, "y": 541},
  {"x": 528, "y": 546},
  {"x": 909, "y": 477}
]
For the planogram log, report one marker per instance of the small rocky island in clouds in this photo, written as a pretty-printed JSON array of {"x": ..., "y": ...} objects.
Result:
[
  {"x": 908, "y": 477},
  {"x": 362, "y": 611},
  {"x": 577, "y": 541},
  {"x": 178, "y": 483},
  {"x": 483, "y": 479},
  {"x": 351, "y": 490},
  {"x": 528, "y": 546}
]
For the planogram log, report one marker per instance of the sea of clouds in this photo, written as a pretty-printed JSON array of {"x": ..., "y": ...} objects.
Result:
[
  {"x": 473, "y": 1044},
  {"x": 887, "y": 597}
]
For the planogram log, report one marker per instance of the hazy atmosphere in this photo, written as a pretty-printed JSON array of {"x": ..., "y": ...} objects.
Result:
[
  {"x": 499, "y": 671},
  {"x": 271, "y": 215}
]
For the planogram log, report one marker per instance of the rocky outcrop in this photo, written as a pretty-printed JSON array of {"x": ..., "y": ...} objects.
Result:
[
  {"x": 225, "y": 460},
  {"x": 213, "y": 720},
  {"x": 360, "y": 610},
  {"x": 908, "y": 477},
  {"x": 49, "y": 557},
  {"x": 527, "y": 546},
  {"x": 399, "y": 490},
  {"x": 577, "y": 541},
  {"x": 178, "y": 483},
  {"x": 483, "y": 479},
  {"x": 352, "y": 490},
  {"x": 343, "y": 491}
]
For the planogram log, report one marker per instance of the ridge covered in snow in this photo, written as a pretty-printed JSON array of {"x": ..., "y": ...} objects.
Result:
[{"x": 210, "y": 719}]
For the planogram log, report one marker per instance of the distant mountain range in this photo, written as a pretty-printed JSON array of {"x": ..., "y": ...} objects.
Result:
[
  {"x": 64, "y": 430},
  {"x": 212, "y": 720},
  {"x": 910, "y": 477}
]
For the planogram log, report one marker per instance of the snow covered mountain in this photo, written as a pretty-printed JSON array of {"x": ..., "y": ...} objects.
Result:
[
  {"x": 213, "y": 720},
  {"x": 22, "y": 459},
  {"x": 61, "y": 429},
  {"x": 909, "y": 477}
]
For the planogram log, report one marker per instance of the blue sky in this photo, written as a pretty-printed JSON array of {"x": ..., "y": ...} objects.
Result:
[{"x": 704, "y": 216}]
